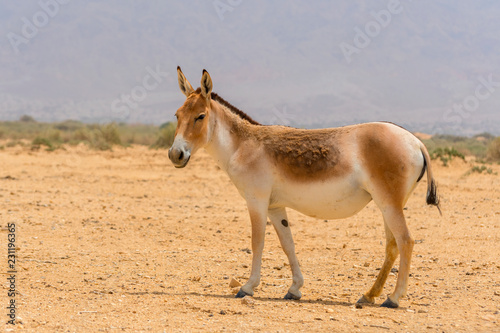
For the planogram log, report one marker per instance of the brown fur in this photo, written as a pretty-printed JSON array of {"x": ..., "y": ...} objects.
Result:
[
  {"x": 385, "y": 163},
  {"x": 304, "y": 155},
  {"x": 301, "y": 155}
]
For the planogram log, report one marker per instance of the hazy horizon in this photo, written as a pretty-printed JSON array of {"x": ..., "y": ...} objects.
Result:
[{"x": 429, "y": 66}]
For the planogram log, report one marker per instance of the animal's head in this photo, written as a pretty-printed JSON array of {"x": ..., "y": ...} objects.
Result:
[{"x": 193, "y": 120}]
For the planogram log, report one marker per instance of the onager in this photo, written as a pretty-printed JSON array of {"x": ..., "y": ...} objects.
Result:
[{"x": 324, "y": 173}]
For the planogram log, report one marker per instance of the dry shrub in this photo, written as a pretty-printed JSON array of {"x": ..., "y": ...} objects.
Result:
[{"x": 494, "y": 150}]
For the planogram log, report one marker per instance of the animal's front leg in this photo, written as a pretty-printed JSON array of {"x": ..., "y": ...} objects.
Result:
[
  {"x": 258, "y": 219},
  {"x": 280, "y": 222}
]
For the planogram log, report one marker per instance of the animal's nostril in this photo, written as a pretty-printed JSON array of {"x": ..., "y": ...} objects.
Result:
[{"x": 181, "y": 155}]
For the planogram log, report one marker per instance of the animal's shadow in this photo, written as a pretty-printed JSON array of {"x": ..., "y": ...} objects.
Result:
[{"x": 259, "y": 299}]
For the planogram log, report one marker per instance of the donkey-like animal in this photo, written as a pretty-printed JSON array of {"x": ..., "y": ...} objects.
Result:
[{"x": 324, "y": 173}]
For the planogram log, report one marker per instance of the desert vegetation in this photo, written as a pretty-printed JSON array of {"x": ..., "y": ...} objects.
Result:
[
  {"x": 484, "y": 147},
  {"x": 51, "y": 136}
]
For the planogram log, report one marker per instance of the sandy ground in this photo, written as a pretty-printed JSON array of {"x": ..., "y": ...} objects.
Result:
[{"x": 122, "y": 241}]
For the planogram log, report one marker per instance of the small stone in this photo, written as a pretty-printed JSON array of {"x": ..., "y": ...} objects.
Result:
[
  {"x": 329, "y": 310},
  {"x": 359, "y": 306},
  {"x": 234, "y": 283},
  {"x": 248, "y": 300}
]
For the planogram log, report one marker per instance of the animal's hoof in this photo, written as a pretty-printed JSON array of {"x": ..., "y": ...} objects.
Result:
[
  {"x": 241, "y": 294},
  {"x": 289, "y": 295},
  {"x": 389, "y": 304},
  {"x": 364, "y": 300}
]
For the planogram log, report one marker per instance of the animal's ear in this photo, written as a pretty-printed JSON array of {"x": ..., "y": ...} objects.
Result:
[
  {"x": 184, "y": 84},
  {"x": 206, "y": 85}
]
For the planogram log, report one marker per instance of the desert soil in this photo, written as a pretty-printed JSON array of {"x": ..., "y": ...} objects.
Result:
[{"x": 122, "y": 241}]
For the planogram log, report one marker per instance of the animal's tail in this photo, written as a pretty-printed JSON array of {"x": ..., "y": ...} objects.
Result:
[{"x": 432, "y": 197}]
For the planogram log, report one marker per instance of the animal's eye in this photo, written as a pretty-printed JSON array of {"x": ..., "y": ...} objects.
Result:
[{"x": 200, "y": 117}]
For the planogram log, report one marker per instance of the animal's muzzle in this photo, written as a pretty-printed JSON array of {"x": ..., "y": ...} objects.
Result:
[{"x": 179, "y": 156}]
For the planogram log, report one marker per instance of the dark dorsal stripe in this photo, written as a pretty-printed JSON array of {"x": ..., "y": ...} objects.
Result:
[{"x": 231, "y": 107}]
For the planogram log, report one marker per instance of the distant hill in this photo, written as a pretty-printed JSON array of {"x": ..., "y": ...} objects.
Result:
[{"x": 280, "y": 62}]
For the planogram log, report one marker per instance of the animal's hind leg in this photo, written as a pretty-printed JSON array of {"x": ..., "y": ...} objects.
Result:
[
  {"x": 280, "y": 222},
  {"x": 391, "y": 253},
  {"x": 396, "y": 222}
]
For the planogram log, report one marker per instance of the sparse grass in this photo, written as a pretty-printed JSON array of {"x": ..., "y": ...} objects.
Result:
[
  {"x": 480, "y": 170},
  {"x": 476, "y": 146},
  {"x": 39, "y": 141},
  {"x": 13, "y": 143},
  {"x": 166, "y": 137},
  {"x": 71, "y": 132},
  {"x": 494, "y": 150},
  {"x": 446, "y": 154},
  {"x": 484, "y": 146}
]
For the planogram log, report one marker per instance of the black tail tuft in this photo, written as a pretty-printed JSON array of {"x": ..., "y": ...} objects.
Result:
[{"x": 432, "y": 197}]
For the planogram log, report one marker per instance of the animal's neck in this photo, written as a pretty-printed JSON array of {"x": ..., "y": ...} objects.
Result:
[{"x": 228, "y": 130}]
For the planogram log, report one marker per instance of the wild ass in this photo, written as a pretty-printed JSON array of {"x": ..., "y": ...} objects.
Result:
[{"x": 324, "y": 173}]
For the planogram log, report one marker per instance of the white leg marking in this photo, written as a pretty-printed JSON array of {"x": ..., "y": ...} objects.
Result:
[
  {"x": 258, "y": 219},
  {"x": 280, "y": 222}
]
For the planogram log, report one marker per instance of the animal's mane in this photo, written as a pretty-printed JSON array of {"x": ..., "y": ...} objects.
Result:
[{"x": 231, "y": 107}]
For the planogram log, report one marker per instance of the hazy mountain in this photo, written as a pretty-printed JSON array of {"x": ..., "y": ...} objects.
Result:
[{"x": 280, "y": 61}]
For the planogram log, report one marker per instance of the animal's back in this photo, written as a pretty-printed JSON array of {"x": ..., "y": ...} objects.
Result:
[
  {"x": 305, "y": 155},
  {"x": 318, "y": 178}
]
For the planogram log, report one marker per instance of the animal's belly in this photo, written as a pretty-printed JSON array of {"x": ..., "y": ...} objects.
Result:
[{"x": 324, "y": 200}]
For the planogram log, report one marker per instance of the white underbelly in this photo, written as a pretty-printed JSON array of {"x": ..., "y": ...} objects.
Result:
[{"x": 333, "y": 199}]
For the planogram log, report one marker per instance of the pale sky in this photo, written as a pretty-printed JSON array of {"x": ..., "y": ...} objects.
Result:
[{"x": 428, "y": 65}]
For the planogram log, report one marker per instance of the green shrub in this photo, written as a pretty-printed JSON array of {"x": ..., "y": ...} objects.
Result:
[
  {"x": 73, "y": 132},
  {"x": 27, "y": 119},
  {"x": 110, "y": 134},
  {"x": 102, "y": 137},
  {"x": 481, "y": 169},
  {"x": 54, "y": 135},
  {"x": 477, "y": 145},
  {"x": 69, "y": 125},
  {"x": 494, "y": 150},
  {"x": 166, "y": 136},
  {"x": 446, "y": 154},
  {"x": 81, "y": 135},
  {"x": 39, "y": 141}
]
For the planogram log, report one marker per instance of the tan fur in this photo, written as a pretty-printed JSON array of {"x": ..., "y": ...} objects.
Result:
[
  {"x": 302, "y": 155},
  {"x": 326, "y": 172},
  {"x": 386, "y": 162},
  {"x": 193, "y": 131}
]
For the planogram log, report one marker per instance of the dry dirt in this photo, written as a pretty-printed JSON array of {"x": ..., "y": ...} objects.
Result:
[{"x": 123, "y": 241}]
